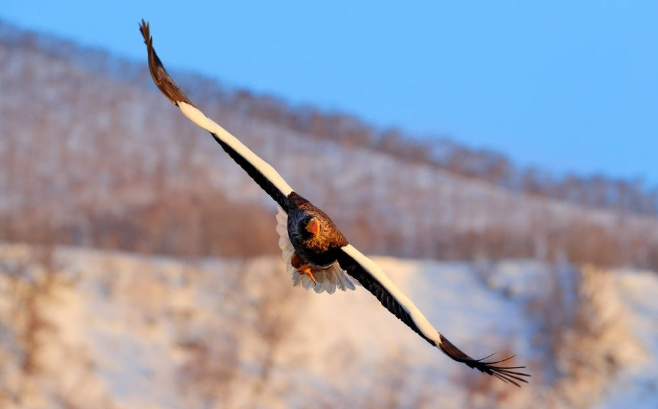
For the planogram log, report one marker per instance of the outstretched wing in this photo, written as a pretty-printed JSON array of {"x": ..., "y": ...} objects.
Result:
[
  {"x": 259, "y": 170},
  {"x": 364, "y": 270},
  {"x": 372, "y": 278}
]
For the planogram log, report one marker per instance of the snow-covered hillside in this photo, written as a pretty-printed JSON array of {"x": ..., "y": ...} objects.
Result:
[
  {"x": 103, "y": 160},
  {"x": 78, "y": 146},
  {"x": 83, "y": 328}
]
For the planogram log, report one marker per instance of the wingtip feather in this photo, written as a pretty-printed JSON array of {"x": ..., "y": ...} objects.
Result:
[
  {"x": 158, "y": 72},
  {"x": 509, "y": 374}
]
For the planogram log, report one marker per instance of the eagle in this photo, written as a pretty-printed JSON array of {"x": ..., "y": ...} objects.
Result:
[{"x": 315, "y": 251}]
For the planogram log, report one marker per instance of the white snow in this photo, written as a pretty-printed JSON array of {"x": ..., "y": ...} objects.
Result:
[
  {"x": 637, "y": 385},
  {"x": 132, "y": 331}
]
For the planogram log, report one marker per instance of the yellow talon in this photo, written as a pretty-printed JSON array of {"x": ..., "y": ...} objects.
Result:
[
  {"x": 305, "y": 269},
  {"x": 302, "y": 266}
]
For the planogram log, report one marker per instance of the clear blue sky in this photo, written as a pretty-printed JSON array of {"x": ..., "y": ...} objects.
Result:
[{"x": 563, "y": 85}]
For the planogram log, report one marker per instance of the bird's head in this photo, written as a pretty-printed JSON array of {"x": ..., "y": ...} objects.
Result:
[
  {"x": 315, "y": 235},
  {"x": 311, "y": 231},
  {"x": 309, "y": 228},
  {"x": 312, "y": 226}
]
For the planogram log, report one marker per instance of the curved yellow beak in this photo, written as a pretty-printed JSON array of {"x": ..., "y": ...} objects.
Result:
[{"x": 313, "y": 226}]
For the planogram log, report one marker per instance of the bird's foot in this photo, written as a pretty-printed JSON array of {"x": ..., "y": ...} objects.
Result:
[
  {"x": 302, "y": 267},
  {"x": 306, "y": 270}
]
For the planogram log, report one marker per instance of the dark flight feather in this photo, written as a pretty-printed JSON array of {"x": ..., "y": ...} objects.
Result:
[
  {"x": 338, "y": 248},
  {"x": 169, "y": 88},
  {"x": 370, "y": 283}
]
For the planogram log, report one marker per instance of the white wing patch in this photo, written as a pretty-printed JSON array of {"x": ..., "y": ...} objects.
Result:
[
  {"x": 328, "y": 279},
  {"x": 198, "y": 117},
  {"x": 378, "y": 274}
]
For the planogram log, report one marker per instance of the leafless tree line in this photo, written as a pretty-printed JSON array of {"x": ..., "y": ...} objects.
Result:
[
  {"x": 120, "y": 194},
  {"x": 633, "y": 196}
]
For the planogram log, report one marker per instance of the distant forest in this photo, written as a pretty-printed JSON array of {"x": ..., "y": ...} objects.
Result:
[
  {"x": 91, "y": 155},
  {"x": 597, "y": 191}
]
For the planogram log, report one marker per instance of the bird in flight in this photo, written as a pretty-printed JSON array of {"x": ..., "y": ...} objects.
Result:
[{"x": 316, "y": 253}]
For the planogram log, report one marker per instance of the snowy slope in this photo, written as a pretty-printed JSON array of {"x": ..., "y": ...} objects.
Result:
[
  {"x": 106, "y": 146},
  {"x": 638, "y": 291},
  {"x": 148, "y": 332}
]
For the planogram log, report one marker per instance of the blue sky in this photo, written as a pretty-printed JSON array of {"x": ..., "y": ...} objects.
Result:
[{"x": 562, "y": 85}]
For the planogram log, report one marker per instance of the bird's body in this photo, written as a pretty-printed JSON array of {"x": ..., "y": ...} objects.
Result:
[
  {"x": 316, "y": 253},
  {"x": 323, "y": 278},
  {"x": 318, "y": 249}
]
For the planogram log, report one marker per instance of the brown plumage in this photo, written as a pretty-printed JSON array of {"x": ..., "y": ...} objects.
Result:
[
  {"x": 316, "y": 240},
  {"x": 158, "y": 72},
  {"x": 320, "y": 250}
]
